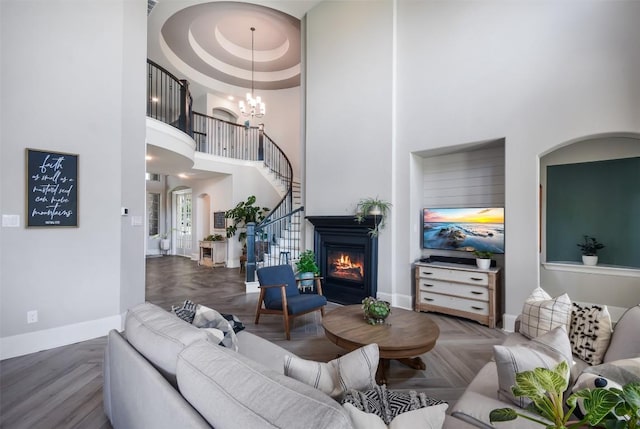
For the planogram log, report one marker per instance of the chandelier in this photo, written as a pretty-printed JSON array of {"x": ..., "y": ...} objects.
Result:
[{"x": 253, "y": 107}]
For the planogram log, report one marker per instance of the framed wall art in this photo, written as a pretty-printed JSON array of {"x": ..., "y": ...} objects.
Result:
[{"x": 51, "y": 189}]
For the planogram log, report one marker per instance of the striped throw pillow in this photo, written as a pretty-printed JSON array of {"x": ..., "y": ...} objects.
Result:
[{"x": 355, "y": 370}]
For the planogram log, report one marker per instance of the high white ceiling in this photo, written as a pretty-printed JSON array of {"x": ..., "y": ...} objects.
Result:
[{"x": 209, "y": 43}]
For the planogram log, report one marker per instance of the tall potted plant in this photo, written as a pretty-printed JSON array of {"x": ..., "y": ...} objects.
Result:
[
  {"x": 589, "y": 250},
  {"x": 243, "y": 213},
  {"x": 307, "y": 268},
  {"x": 373, "y": 207}
]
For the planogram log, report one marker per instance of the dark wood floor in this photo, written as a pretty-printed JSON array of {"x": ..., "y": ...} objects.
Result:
[{"x": 62, "y": 387}]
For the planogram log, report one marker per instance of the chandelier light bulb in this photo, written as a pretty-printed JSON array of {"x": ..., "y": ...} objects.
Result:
[{"x": 253, "y": 107}]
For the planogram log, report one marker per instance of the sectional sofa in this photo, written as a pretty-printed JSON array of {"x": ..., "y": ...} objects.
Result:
[
  {"x": 485, "y": 393},
  {"x": 163, "y": 372}
]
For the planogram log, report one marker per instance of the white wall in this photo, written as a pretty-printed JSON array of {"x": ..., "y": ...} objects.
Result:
[
  {"x": 237, "y": 182},
  {"x": 75, "y": 82},
  {"x": 536, "y": 73},
  {"x": 348, "y": 114},
  {"x": 281, "y": 121}
]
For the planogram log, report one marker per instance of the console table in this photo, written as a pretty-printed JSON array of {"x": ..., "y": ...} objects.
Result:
[
  {"x": 213, "y": 253},
  {"x": 459, "y": 290}
]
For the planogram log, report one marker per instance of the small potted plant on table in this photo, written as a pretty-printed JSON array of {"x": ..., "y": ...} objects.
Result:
[
  {"x": 483, "y": 259},
  {"x": 307, "y": 268},
  {"x": 589, "y": 250}
]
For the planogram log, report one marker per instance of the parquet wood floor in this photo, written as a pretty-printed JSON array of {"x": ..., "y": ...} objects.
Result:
[{"x": 62, "y": 387}]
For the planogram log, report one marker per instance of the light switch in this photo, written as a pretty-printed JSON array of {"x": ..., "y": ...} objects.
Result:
[{"x": 11, "y": 221}]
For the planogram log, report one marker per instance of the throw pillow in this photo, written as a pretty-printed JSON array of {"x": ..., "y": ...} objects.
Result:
[
  {"x": 186, "y": 312},
  {"x": 355, "y": 370},
  {"x": 590, "y": 332},
  {"x": 425, "y": 418},
  {"x": 624, "y": 341},
  {"x": 388, "y": 404},
  {"x": 541, "y": 313},
  {"x": 613, "y": 374},
  {"x": 212, "y": 321},
  {"x": 545, "y": 351}
]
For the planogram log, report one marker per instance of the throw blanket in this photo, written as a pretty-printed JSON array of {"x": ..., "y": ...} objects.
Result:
[{"x": 388, "y": 404}]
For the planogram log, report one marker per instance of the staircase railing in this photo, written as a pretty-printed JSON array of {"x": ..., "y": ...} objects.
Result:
[{"x": 169, "y": 100}]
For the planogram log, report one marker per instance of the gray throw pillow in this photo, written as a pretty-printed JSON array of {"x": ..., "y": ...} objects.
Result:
[
  {"x": 625, "y": 341},
  {"x": 545, "y": 351}
]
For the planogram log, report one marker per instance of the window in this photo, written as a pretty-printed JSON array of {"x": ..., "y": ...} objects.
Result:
[{"x": 153, "y": 212}]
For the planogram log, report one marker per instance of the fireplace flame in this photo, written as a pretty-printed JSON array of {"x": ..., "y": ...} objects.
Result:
[{"x": 344, "y": 267}]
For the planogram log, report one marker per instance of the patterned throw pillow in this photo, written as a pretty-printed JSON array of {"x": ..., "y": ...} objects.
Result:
[
  {"x": 541, "y": 313},
  {"x": 545, "y": 351},
  {"x": 590, "y": 332},
  {"x": 388, "y": 404},
  {"x": 187, "y": 312},
  {"x": 208, "y": 318},
  {"x": 236, "y": 324},
  {"x": 423, "y": 418},
  {"x": 355, "y": 370}
]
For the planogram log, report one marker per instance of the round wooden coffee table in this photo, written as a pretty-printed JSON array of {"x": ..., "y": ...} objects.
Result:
[{"x": 405, "y": 335}]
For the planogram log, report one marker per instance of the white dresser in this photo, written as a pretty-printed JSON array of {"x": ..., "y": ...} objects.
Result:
[{"x": 459, "y": 290}]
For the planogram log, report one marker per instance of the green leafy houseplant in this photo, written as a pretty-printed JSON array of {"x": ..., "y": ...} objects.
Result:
[
  {"x": 214, "y": 237},
  {"x": 590, "y": 246},
  {"x": 307, "y": 263},
  {"x": 545, "y": 387},
  {"x": 482, "y": 254},
  {"x": 243, "y": 213},
  {"x": 374, "y": 207},
  {"x": 375, "y": 311}
]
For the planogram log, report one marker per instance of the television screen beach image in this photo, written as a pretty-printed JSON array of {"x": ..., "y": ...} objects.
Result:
[{"x": 464, "y": 229}]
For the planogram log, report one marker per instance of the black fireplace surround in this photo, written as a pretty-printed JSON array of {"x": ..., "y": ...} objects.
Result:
[{"x": 342, "y": 235}]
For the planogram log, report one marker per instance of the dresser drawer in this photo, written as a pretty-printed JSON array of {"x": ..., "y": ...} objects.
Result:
[
  {"x": 456, "y": 303},
  {"x": 471, "y": 277},
  {"x": 458, "y": 289}
]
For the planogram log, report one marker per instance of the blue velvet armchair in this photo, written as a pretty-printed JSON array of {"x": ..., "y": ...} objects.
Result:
[{"x": 280, "y": 295}]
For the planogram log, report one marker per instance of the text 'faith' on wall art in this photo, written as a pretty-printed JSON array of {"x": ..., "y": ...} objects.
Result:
[{"x": 52, "y": 189}]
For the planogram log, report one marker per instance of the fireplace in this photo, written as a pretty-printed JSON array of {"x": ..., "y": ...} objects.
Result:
[{"x": 347, "y": 257}]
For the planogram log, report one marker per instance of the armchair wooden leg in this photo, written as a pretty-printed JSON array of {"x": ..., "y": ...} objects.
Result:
[
  {"x": 322, "y": 311},
  {"x": 285, "y": 312},
  {"x": 286, "y": 325},
  {"x": 259, "y": 307}
]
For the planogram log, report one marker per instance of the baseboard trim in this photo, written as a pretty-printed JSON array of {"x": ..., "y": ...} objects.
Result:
[
  {"x": 509, "y": 322},
  {"x": 23, "y": 344},
  {"x": 252, "y": 287},
  {"x": 397, "y": 300}
]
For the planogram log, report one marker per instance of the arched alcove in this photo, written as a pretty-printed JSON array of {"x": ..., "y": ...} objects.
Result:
[
  {"x": 224, "y": 114},
  {"x": 591, "y": 185}
]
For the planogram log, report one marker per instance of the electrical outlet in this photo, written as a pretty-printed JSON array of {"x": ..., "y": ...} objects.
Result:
[{"x": 32, "y": 316}]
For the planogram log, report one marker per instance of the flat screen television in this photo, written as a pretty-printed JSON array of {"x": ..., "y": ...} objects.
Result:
[{"x": 463, "y": 229}]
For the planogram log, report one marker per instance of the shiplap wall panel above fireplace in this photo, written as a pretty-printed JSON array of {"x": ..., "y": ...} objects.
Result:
[{"x": 474, "y": 178}]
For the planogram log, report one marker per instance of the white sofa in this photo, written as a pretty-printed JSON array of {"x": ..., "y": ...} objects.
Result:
[
  {"x": 482, "y": 395},
  {"x": 165, "y": 373}
]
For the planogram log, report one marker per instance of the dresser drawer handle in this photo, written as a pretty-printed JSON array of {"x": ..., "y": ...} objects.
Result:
[
  {"x": 427, "y": 273},
  {"x": 475, "y": 292},
  {"x": 476, "y": 279},
  {"x": 428, "y": 299},
  {"x": 428, "y": 285},
  {"x": 476, "y": 308}
]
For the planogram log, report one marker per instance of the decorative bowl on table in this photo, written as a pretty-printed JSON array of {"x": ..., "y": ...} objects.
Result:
[{"x": 375, "y": 311}]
